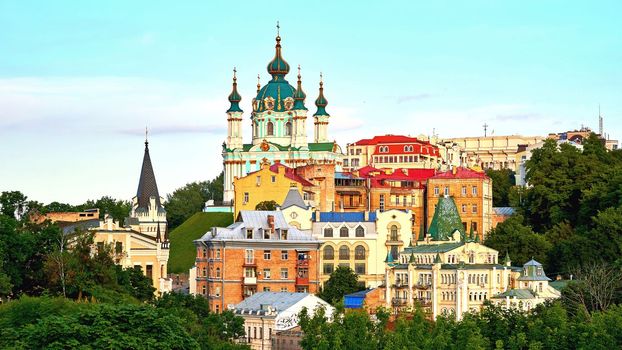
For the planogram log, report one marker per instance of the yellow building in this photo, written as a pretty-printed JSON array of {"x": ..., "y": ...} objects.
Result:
[
  {"x": 360, "y": 241},
  {"x": 270, "y": 183}
]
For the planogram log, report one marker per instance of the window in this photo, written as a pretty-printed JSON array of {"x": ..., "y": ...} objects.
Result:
[
  {"x": 204, "y": 290},
  {"x": 345, "y": 162},
  {"x": 218, "y": 253},
  {"x": 464, "y": 208},
  {"x": 204, "y": 271},
  {"x": 474, "y": 226},
  {"x": 204, "y": 253},
  {"x": 266, "y": 289},
  {"x": 100, "y": 246},
  {"x": 258, "y": 180},
  {"x": 249, "y": 272},
  {"x": 328, "y": 232},
  {"x": 266, "y": 274},
  {"x": 436, "y": 191},
  {"x": 447, "y": 191},
  {"x": 393, "y": 236},
  {"x": 283, "y": 289},
  {"x": 328, "y": 269},
  {"x": 382, "y": 202},
  {"x": 246, "y": 197},
  {"x": 359, "y": 252},
  {"x": 474, "y": 190},
  {"x": 273, "y": 178},
  {"x": 288, "y": 129},
  {"x": 270, "y": 129},
  {"x": 343, "y": 232},
  {"x": 267, "y": 254},
  {"x": 149, "y": 272},
  {"x": 249, "y": 233},
  {"x": 266, "y": 234},
  {"x": 394, "y": 252},
  {"x": 360, "y": 231},
  {"x": 329, "y": 253},
  {"x": 284, "y": 273},
  {"x": 284, "y": 255},
  {"x": 344, "y": 253},
  {"x": 118, "y": 247},
  {"x": 218, "y": 272},
  {"x": 359, "y": 269},
  {"x": 249, "y": 256},
  {"x": 474, "y": 208}
]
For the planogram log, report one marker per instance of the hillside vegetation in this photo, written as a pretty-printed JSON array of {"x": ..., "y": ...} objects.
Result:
[{"x": 183, "y": 253}]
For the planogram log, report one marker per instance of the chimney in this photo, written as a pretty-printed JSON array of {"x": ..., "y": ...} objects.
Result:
[
  {"x": 454, "y": 170},
  {"x": 271, "y": 222},
  {"x": 317, "y": 215}
]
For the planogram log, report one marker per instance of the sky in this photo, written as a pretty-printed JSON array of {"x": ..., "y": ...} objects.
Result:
[{"x": 80, "y": 80}]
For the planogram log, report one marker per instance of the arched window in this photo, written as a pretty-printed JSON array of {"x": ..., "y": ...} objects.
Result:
[
  {"x": 270, "y": 129},
  {"x": 288, "y": 129},
  {"x": 218, "y": 272},
  {"x": 360, "y": 231},
  {"x": 256, "y": 126},
  {"x": 359, "y": 252},
  {"x": 328, "y": 232},
  {"x": 329, "y": 253},
  {"x": 344, "y": 253},
  {"x": 394, "y": 232},
  {"x": 343, "y": 232}
]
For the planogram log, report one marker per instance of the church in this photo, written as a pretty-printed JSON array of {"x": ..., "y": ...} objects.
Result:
[{"x": 279, "y": 127}]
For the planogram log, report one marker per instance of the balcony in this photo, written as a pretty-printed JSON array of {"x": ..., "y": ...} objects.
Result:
[
  {"x": 302, "y": 281},
  {"x": 249, "y": 262},
  {"x": 423, "y": 285},
  {"x": 399, "y": 301},
  {"x": 303, "y": 263},
  {"x": 250, "y": 280}
]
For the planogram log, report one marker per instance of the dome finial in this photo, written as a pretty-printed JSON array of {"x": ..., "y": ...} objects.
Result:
[
  {"x": 258, "y": 83},
  {"x": 146, "y": 137},
  {"x": 235, "y": 97},
  {"x": 278, "y": 29},
  {"x": 321, "y": 101}
]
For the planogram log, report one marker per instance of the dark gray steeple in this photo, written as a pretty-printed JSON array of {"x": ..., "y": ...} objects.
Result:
[{"x": 147, "y": 186}]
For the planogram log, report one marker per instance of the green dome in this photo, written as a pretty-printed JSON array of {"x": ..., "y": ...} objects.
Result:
[
  {"x": 278, "y": 67},
  {"x": 234, "y": 96},
  {"x": 299, "y": 95},
  {"x": 321, "y": 101},
  {"x": 279, "y": 90}
]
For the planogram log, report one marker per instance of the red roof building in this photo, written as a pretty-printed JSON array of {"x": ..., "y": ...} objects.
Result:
[{"x": 392, "y": 152}]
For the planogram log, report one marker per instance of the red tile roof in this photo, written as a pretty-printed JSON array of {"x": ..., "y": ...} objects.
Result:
[
  {"x": 461, "y": 173},
  {"x": 290, "y": 174},
  {"x": 387, "y": 139}
]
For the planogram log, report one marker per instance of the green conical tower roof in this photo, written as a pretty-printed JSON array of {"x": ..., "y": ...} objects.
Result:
[
  {"x": 421, "y": 233},
  {"x": 234, "y": 96},
  {"x": 278, "y": 67},
  {"x": 412, "y": 259},
  {"x": 321, "y": 101},
  {"x": 437, "y": 258},
  {"x": 446, "y": 220},
  {"x": 507, "y": 258},
  {"x": 471, "y": 237},
  {"x": 389, "y": 258}
]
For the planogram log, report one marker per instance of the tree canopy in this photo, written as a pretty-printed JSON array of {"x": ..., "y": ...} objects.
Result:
[{"x": 341, "y": 282}]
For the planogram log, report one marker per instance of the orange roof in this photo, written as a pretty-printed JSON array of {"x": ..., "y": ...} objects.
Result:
[{"x": 461, "y": 173}]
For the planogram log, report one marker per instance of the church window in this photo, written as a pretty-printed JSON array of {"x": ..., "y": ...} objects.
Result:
[
  {"x": 204, "y": 290},
  {"x": 329, "y": 253},
  {"x": 344, "y": 253},
  {"x": 360, "y": 231},
  {"x": 393, "y": 233},
  {"x": 288, "y": 129},
  {"x": 343, "y": 232},
  {"x": 270, "y": 129},
  {"x": 328, "y": 232},
  {"x": 359, "y": 253}
]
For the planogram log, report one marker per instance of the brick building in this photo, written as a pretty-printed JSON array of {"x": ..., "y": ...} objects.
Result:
[
  {"x": 472, "y": 193},
  {"x": 259, "y": 252}
]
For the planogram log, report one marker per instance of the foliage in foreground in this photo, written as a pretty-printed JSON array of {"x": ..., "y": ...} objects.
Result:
[
  {"x": 548, "y": 327},
  {"x": 174, "y": 322}
]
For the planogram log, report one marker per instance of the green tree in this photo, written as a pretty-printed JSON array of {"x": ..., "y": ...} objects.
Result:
[
  {"x": 185, "y": 202},
  {"x": 266, "y": 205},
  {"x": 502, "y": 181},
  {"x": 12, "y": 204},
  {"x": 341, "y": 282},
  {"x": 118, "y": 209},
  {"x": 519, "y": 240},
  {"x": 135, "y": 283}
]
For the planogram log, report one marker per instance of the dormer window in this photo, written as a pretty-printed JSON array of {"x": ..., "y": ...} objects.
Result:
[
  {"x": 249, "y": 233},
  {"x": 284, "y": 234},
  {"x": 266, "y": 234},
  {"x": 539, "y": 271}
]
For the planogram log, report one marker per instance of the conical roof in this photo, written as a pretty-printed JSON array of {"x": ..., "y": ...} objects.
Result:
[
  {"x": 147, "y": 186},
  {"x": 293, "y": 198},
  {"x": 234, "y": 97},
  {"x": 446, "y": 220}
]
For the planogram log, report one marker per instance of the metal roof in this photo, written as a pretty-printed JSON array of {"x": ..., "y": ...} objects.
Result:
[
  {"x": 293, "y": 198},
  {"x": 504, "y": 211},
  {"x": 518, "y": 293},
  {"x": 280, "y": 301},
  {"x": 433, "y": 248}
]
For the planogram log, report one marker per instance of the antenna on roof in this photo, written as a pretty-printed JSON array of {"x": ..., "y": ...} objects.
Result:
[{"x": 485, "y": 129}]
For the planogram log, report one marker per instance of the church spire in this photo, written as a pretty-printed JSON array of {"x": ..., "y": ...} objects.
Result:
[
  {"x": 321, "y": 101},
  {"x": 147, "y": 186},
  {"x": 299, "y": 94},
  {"x": 278, "y": 67},
  {"x": 235, "y": 97}
]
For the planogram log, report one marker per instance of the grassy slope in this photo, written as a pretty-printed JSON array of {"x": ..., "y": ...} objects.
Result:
[{"x": 183, "y": 253}]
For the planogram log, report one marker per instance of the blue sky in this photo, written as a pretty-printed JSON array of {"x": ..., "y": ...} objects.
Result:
[{"x": 80, "y": 80}]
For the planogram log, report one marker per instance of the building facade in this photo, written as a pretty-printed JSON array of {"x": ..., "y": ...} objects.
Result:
[
  {"x": 392, "y": 152},
  {"x": 278, "y": 122},
  {"x": 259, "y": 252},
  {"x": 472, "y": 192}
]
